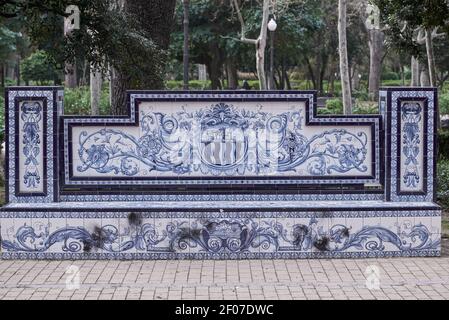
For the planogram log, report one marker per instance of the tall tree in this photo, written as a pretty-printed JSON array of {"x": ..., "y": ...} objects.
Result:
[
  {"x": 260, "y": 43},
  {"x": 70, "y": 74},
  {"x": 133, "y": 41},
  {"x": 153, "y": 25},
  {"x": 376, "y": 38},
  {"x": 185, "y": 57},
  {"x": 428, "y": 15},
  {"x": 343, "y": 51}
]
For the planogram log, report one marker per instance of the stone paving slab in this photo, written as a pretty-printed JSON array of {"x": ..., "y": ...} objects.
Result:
[{"x": 399, "y": 278}]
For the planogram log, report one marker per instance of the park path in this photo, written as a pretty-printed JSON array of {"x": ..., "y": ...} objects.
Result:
[{"x": 399, "y": 278}]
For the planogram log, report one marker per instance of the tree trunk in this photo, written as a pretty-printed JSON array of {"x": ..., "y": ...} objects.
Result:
[
  {"x": 271, "y": 84},
  {"x": 432, "y": 69},
  {"x": 213, "y": 70},
  {"x": 424, "y": 78},
  {"x": 119, "y": 83},
  {"x": 69, "y": 68},
  {"x": 2, "y": 75},
  {"x": 287, "y": 80},
  {"x": 376, "y": 46},
  {"x": 344, "y": 63},
  {"x": 322, "y": 72},
  {"x": 415, "y": 80},
  {"x": 261, "y": 45},
  {"x": 311, "y": 73},
  {"x": 232, "y": 75},
  {"x": 355, "y": 79},
  {"x": 18, "y": 70},
  {"x": 185, "y": 57},
  {"x": 155, "y": 20},
  {"x": 431, "y": 58},
  {"x": 95, "y": 91}
]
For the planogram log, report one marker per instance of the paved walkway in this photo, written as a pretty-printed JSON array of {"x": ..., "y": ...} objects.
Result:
[{"x": 422, "y": 278}]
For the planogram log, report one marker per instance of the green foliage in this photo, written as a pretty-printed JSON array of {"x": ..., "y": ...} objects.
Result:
[
  {"x": 77, "y": 101},
  {"x": 444, "y": 103},
  {"x": 7, "y": 41},
  {"x": 193, "y": 85},
  {"x": 333, "y": 106},
  {"x": 366, "y": 107},
  {"x": 443, "y": 144},
  {"x": 443, "y": 182},
  {"x": 390, "y": 75},
  {"x": 362, "y": 95},
  {"x": 106, "y": 36},
  {"x": 39, "y": 67},
  {"x": 414, "y": 14}
]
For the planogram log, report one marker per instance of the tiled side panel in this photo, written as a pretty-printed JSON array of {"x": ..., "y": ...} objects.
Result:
[
  {"x": 411, "y": 114},
  {"x": 30, "y": 144},
  {"x": 215, "y": 235}
]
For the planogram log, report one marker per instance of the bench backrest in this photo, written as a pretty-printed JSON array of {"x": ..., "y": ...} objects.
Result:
[{"x": 240, "y": 145}]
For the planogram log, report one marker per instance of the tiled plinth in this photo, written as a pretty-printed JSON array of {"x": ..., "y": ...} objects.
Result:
[{"x": 220, "y": 230}]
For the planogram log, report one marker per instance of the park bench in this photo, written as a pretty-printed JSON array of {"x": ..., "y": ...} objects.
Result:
[{"x": 219, "y": 175}]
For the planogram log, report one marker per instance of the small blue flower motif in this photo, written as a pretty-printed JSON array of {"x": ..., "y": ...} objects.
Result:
[
  {"x": 97, "y": 156},
  {"x": 349, "y": 156},
  {"x": 149, "y": 146},
  {"x": 31, "y": 179}
]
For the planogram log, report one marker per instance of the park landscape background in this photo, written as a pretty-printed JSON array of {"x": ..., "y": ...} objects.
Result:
[{"x": 332, "y": 46}]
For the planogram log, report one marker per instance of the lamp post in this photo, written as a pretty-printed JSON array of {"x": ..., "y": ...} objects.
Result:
[{"x": 272, "y": 25}]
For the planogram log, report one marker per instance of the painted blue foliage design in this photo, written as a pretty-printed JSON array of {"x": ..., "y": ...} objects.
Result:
[
  {"x": 411, "y": 115},
  {"x": 221, "y": 140},
  {"x": 223, "y": 236},
  {"x": 31, "y": 114}
]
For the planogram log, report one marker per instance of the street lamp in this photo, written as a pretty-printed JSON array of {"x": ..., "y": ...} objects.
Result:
[{"x": 272, "y": 25}]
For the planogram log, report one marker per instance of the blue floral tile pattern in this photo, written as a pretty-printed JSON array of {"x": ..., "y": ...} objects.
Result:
[
  {"x": 230, "y": 234},
  {"x": 31, "y": 115}
]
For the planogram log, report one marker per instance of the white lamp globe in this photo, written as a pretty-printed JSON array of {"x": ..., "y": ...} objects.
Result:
[{"x": 272, "y": 25}]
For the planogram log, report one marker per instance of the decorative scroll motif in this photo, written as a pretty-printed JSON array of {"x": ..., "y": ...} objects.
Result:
[
  {"x": 411, "y": 116},
  {"x": 225, "y": 236},
  {"x": 222, "y": 140},
  {"x": 78, "y": 239},
  {"x": 31, "y": 116}
]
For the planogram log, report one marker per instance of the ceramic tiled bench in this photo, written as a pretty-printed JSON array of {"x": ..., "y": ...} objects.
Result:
[{"x": 219, "y": 175}]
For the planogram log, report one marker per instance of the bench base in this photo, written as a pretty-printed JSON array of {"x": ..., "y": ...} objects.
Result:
[{"x": 220, "y": 230}]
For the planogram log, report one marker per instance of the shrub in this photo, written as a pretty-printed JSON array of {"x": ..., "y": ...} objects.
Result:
[
  {"x": 366, "y": 107},
  {"x": 390, "y": 76},
  {"x": 443, "y": 144},
  {"x": 443, "y": 182},
  {"x": 77, "y": 101},
  {"x": 39, "y": 68},
  {"x": 444, "y": 103},
  {"x": 333, "y": 106},
  {"x": 361, "y": 95}
]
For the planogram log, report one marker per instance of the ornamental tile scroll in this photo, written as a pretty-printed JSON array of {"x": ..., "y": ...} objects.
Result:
[
  {"x": 222, "y": 140},
  {"x": 411, "y": 121},
  {"x": 412, "y": 149},
  {"x": 227, "y": 236},
  {"x": 31, "y": 142}
]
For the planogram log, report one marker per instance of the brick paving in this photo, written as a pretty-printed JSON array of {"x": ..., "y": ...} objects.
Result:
[{"x": 399, "y": 278}]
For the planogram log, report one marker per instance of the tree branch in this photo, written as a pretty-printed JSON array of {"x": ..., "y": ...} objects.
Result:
[{"x": 242, "y": 23}]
